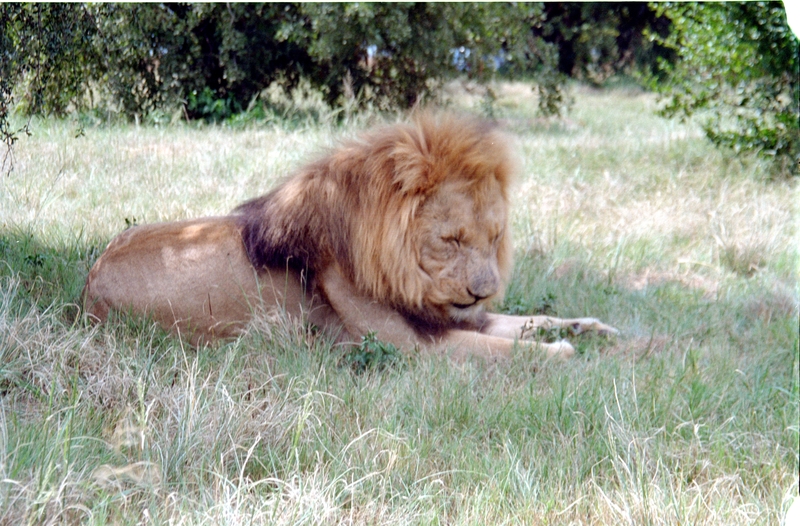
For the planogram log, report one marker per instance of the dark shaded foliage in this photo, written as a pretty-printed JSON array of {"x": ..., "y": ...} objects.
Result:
[
  {"x": 213, "y": 60},
  {"x": 597, "y": 40}
]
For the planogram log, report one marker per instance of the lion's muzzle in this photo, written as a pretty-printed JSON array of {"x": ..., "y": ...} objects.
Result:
[{"x": 484, "y": 284}]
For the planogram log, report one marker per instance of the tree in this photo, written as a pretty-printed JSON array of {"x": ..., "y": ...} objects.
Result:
[
  {"x": 399, "y": 53},
  {"x": 737, "y": 70},
  {"x": 46, "y": 61},
  {"x": 211, "y": 61}
]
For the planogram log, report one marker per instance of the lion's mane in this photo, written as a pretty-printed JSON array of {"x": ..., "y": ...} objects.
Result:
[{"x": 357, "y": 205}]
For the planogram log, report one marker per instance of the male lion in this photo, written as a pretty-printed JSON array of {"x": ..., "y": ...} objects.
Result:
[{"x": 403, "y": 233}]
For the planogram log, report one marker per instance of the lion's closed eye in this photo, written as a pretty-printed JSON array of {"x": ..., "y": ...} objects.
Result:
[{"x": 453, "y": 240}]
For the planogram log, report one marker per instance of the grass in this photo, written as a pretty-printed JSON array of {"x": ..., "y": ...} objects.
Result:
[{"x": 691, "y": 417}]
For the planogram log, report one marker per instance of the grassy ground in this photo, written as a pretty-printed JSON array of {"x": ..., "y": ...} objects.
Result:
[{"x": 690, "y": 417}]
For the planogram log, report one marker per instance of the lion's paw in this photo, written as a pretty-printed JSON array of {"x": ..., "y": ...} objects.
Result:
[
  {"x": 545, "y": 327},
  {"x": 582, "y": 325},
  {"x": 533, "y": 328},
  {"x": 560, "y": 350}
]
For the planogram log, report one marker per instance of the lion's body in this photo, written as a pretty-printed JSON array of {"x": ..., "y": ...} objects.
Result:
[
  {"x": 403, "y": 233},
  {"x": 190, "y": 276}
]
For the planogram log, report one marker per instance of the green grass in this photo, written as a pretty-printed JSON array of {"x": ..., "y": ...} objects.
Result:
[{"x": 690, "y": 417}]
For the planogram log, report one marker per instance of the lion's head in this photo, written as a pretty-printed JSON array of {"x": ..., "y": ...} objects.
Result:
[{"x": 415, "y": 214}]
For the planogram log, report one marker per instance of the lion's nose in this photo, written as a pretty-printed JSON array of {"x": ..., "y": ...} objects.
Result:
[{"x": 484, "y": 284}]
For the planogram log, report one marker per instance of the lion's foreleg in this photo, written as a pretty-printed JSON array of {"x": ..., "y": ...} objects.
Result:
[
  {"x": 361, "y": 315},
  {"x": 472, "y": 343}
]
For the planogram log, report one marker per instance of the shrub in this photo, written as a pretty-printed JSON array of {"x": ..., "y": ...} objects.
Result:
[{"x": 737, "y": 70}]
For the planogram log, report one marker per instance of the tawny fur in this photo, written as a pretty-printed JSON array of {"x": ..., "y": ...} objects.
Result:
[{"x": 403, "y": 232}]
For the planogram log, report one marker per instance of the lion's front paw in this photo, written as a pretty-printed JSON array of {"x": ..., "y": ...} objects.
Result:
[
  {"x": 582, "y": 325},
  {"x": 550, "y": 329},
  {"x": 536, "y": 329},
  {"x": 560, "y": 350}
]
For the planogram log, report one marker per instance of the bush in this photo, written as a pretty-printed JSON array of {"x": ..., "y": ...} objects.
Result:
[
  {"x": 210, "y": 61},
  {"x": 737, "y": 70}
]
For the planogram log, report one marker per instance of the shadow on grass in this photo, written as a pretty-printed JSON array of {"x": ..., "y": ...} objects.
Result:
[{"x": 49, "y": 273}]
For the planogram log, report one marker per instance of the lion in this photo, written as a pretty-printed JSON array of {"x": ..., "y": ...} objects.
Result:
[{"x": 402, "y": 233}]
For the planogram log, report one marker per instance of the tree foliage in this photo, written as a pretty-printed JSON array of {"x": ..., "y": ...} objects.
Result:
[
  {"x": 33, "y": 64},
  {"x": 737, "y": 70},
  {"x": 210, "y": 61}
]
